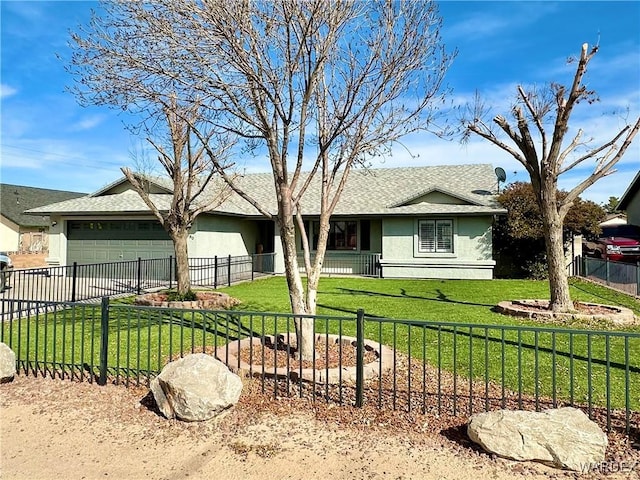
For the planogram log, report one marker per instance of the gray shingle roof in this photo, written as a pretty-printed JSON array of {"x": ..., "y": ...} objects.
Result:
[
  {"x": 125, "y": 202},
  {"x": 386, "y": 191},
  {"x": 16, "y": 199}
]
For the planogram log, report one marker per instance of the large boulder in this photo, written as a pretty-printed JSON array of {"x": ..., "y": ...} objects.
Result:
[
  {"x": 563, "y": 437},
  {"x": 195, "y": 388},
  {"x": 7, "y": 363}
]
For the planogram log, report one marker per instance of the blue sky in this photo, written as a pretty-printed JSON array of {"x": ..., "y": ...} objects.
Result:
[{"x": 47, "y": 140}]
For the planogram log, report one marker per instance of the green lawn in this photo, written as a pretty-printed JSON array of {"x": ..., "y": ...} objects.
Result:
[
  {"x": 140, "y": 340},
  {"x": 468, "y": 301},
  {"x": 533, "y": 359},
  {"x": 453, "y": 327}
]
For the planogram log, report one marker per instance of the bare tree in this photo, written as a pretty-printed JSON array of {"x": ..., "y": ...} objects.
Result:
[
  {"x": 536, "y": 113},
  {"x": 168, "y": 125},
  {"x": 316, "y": 86},
  {"x": 196, "y": 187}
]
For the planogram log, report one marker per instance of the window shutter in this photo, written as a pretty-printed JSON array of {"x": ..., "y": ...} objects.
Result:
[
  {"x": 427, "y": 236},
  {"x": 444, "y": 236}
]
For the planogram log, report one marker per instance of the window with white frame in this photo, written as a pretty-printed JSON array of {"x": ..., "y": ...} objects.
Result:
[{"x": 435, "y": 236}]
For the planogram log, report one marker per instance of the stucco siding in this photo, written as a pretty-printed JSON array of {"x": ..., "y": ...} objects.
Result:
[
  {"x": 397, "y": 237},
  {"x": 57, "y": 241},
  {"x": 474, "y": 238},
  {"x": 438, "y": 197},
  {"x": 9, "y": 236},
  {"x": 633, "y": 210},
  {"x": 452, "y": 270},
  {"x": 471, "y": 256},
  {"x": 218, "y": 235}
]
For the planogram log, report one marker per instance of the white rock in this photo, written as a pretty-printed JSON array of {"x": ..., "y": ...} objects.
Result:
[
  {"x": 563, "y": 437},
  {"x": 195, "y": 388},
  {"x": 7, "y": 363}
]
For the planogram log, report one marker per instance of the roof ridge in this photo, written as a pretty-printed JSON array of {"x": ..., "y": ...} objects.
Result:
[{"x": 11, "y": 185}]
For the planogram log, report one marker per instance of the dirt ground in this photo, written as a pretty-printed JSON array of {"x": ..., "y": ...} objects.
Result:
[{"x": 53, "y": 429}]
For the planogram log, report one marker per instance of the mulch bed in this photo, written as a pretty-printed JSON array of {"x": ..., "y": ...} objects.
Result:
[
  {"x": 331, "y": 355},
  {"x": 417, "y": 398},
  {"x": 414, "y": 399},
  {"x": 580, "y": 307}
]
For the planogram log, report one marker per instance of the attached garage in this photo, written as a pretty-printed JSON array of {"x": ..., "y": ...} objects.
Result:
[{"x": 90, "y": 241}]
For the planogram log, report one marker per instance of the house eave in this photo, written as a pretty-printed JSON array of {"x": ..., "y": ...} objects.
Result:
[
  {"x": 631, "y": 192},
  {"x": 124, "y": 180},
  {"x": 460, "y": 196}
]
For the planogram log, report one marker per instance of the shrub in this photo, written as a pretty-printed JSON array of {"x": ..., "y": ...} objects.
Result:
[{"x": 174, "y": 296}]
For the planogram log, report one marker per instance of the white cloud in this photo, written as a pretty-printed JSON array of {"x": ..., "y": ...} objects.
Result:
[
  {"x": 7, "y": 91},
  {"x": 497, "y": 22},
  {"x": 88, "y": 123}
]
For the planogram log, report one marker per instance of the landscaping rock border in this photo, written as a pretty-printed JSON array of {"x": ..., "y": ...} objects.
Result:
[
  {"x": 331, "y": 376},
  {"x": 538, "y": 310},
  {"x": 205, "y": 301}
]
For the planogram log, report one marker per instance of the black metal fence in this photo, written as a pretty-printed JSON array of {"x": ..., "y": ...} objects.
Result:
[
  {"x": 219, "y": 271},
  {"x": 619, "y": 275},
  {"x": 439, "y": 368},
  {"x": 86, "y": 282}
]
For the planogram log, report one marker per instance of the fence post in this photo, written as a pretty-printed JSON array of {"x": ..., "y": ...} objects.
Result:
[
  {"x": 252, "y": 264},
  {"x": 229, "y": 271},
  {"x": 139, "y": 277},
  {"x": 638, "y": 278},
  {"x": 104, "y": 341},
  {"x": 74, "y": 276},
  {"x": 215, "y": 272},
  {"x": 170, "y": 272},
  {"x": 359, "y": 358}
]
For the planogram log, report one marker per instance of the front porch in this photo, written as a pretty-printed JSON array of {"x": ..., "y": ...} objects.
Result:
[{"x": 345, "y": 263}]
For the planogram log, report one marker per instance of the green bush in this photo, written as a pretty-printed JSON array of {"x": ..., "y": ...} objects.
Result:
[
  {"x": 536, "y": 269},
  {"x": 174, "y": 296}
]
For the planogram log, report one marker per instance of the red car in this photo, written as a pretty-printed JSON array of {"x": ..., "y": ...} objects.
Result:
[{"x": 616, "y": 249}]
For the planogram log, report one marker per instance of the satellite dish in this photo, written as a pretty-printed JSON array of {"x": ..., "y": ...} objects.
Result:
[{"x": 502, "y": 176}]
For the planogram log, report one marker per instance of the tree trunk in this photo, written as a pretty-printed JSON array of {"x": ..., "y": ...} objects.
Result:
[
  {"x": 182, "y": 261},
  {"x": 313, "y": 279},
  {"x": 560, "y": 298},
  {"x": 304, "y": 326},
  {"x": 313, "y": 275}
]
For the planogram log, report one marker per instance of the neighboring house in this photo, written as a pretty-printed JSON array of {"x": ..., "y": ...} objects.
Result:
[
  {"x": 20, "y": 232},
  {"x": 424, "y": 222},
  {"x": 614, "y": 220},
  {"x": 630, "y": 201}
]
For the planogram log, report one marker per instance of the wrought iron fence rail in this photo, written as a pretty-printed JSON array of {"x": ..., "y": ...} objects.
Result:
[
  {"x": 431, "y": 367},
  {"x": 85, "y": 282}
]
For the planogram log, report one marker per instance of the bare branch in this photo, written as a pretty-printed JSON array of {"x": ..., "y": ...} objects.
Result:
[
  {"x": 605, "y": 168},
  {"x": 591, "y": 153},
  {"x": 537, "y": 114},
  {"x": 144, "y": 194},
  {"x": 487, "y": 135}
]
